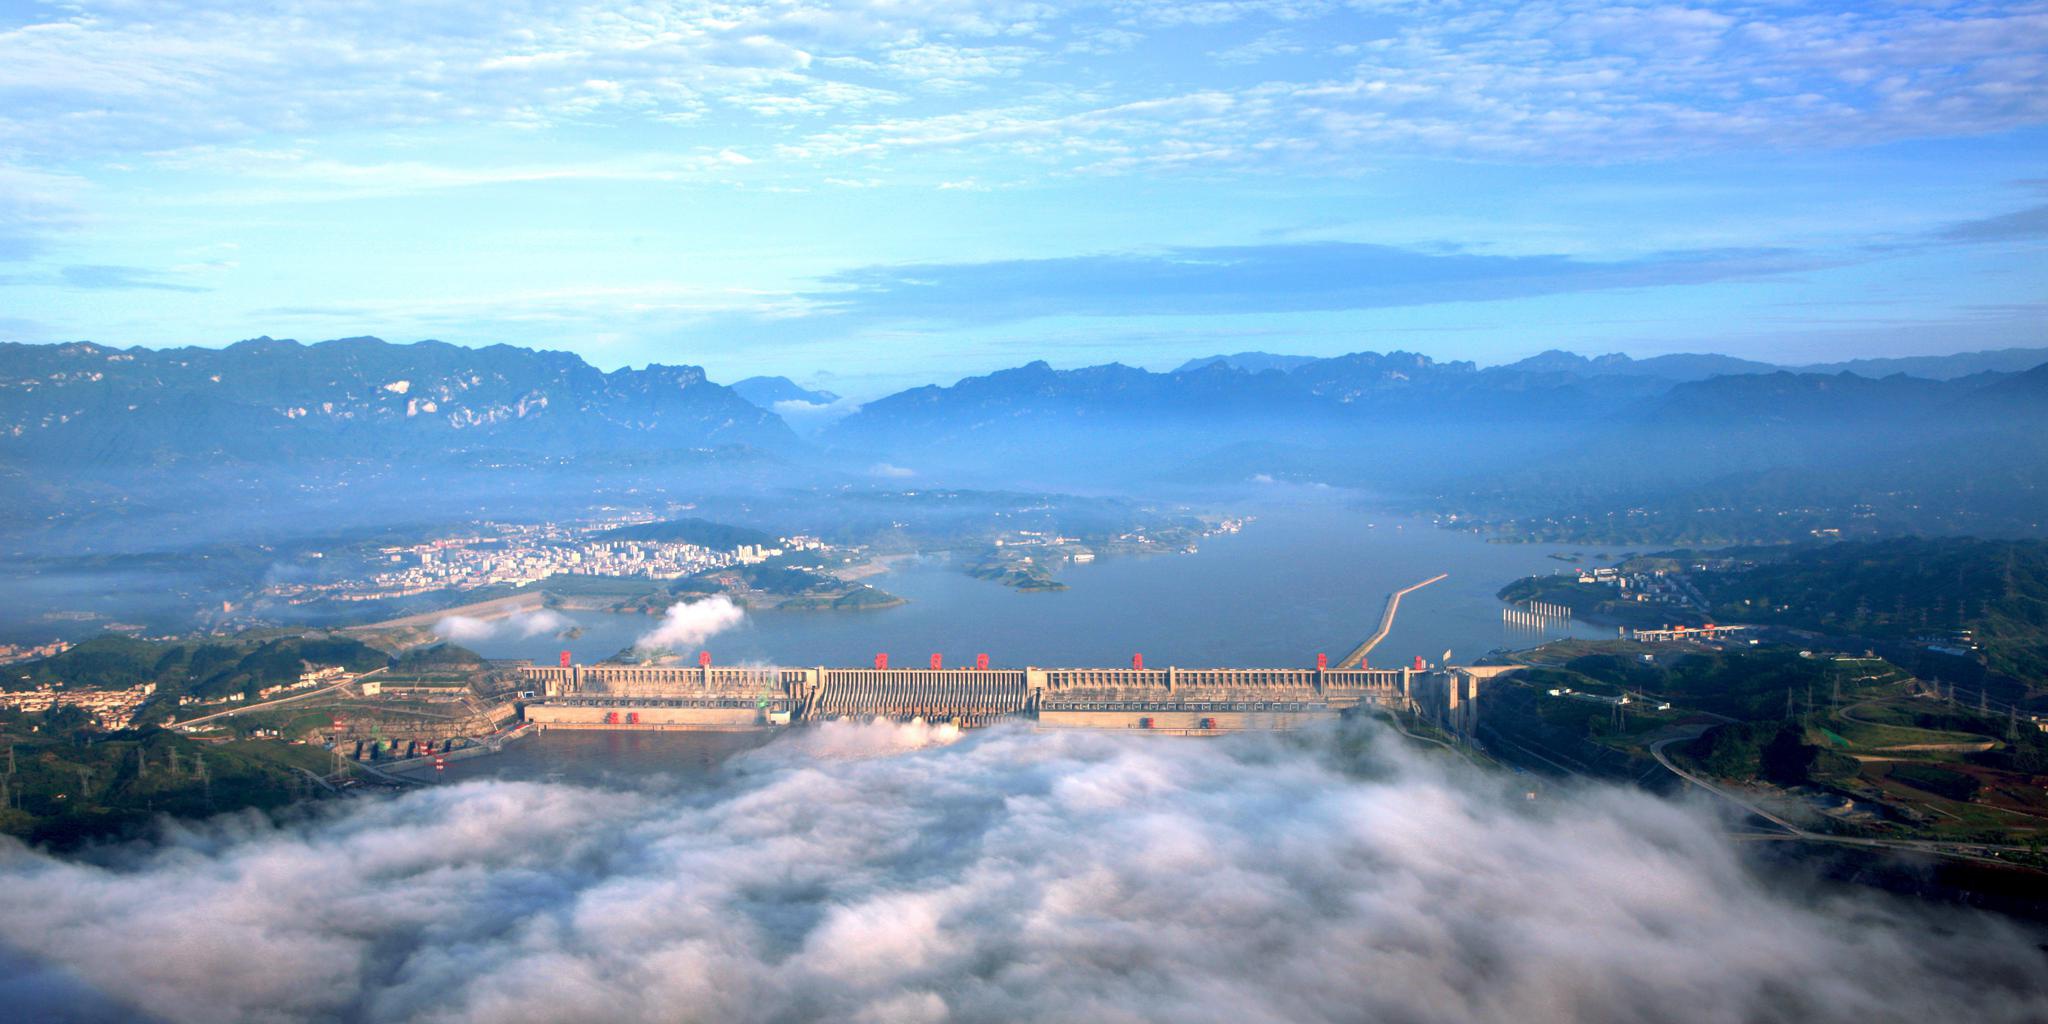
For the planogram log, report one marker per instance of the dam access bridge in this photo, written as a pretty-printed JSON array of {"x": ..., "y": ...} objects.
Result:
[{"x": 1179, "y": 700}]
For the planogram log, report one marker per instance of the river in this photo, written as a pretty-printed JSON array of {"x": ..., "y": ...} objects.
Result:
[{"x": 1306, "y": 577}]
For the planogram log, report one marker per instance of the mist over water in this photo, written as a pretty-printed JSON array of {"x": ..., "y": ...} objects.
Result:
[{"x": 904, "y": 873}]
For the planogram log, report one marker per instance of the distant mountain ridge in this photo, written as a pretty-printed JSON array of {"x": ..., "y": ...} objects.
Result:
[
  {"x": 1676, "y": 367},
  {"x": 1219, "y": 397},
  {"x": 1250, "y": 362},
  {"x": 1356, "y": 392},
  {"x": 1559, "y": 440},
  {"x": 1949, "y": 367},
  {"x": 350, "y": 430},
  {"x": 693, "y": 530},
  {"x": 1695, "y": 366},
  {"x": 269, "y": 399}
]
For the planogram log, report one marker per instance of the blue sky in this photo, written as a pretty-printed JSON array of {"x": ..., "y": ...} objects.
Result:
[{"x": 873, "y": 194}]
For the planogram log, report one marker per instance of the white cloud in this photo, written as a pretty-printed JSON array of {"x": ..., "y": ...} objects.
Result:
[
  {"x": 688, "y": 624},
  {"x": 1563, "y": 79},
  {"x": 466, "y": 628},
  {"x": 810, "y": 417},
  {"x": 105, "y": 76},
  {"x": 892, "y": 873}
]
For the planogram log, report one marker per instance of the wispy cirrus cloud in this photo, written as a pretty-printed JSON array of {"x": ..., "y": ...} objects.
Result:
[
  {"x": 104, "y": 77},
  {"x": 293, "y": 175},
  {"x": 2019, "y": 225},
  {"x": 1559, "y": 80},
  {"x": 104, "y": 277},
  {"x": 132, "y": 278},
  {"x": 954, "y": 133},
  {"x": 35, "y": 206},
  {"x": 1570, "y": 82},
  {"x": 1285, "y": 277}
]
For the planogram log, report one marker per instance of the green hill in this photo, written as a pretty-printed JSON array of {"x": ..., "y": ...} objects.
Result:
[
  {"x": 208, "y": 668},
  {"x": 701, "y": 532},
  {"x": 1903, "y": 589}
]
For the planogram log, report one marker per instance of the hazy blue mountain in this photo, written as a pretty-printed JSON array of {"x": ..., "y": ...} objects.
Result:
[
  {"x": 279, "y": 400},
  {"x": 359, "y": 430},
  {"x": 1700, "y": 366},
  {"x": 1557, "y": 446},
  {"x": 1220, "y": 402},
  {"x": 693, "y": 530},
  {"x": 766, "y": 391},
  {"x": 1251, "y": 362},
  {"x": 1961, "y": 364},
  {"x": 1365, "y": 417},
  {"x": 2023, "y": 394},
  {"x": 113, "y": 448},
  {"x": 1676, "y": 367},
  {"x": 1748, "y": 401}
]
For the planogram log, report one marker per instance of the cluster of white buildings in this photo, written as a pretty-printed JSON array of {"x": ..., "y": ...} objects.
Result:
[
  {"x": 1644, "y": 587},
  {"x": 11, "y": 653},
  {"x": 522, "y": 554},
  {"x": 189, "y": 701},
  {"x": 312, "y": 677},
  {"x": 112, "y": 709}
]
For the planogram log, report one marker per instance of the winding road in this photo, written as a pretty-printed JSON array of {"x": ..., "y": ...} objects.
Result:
[
  {"x": 187, "y": 725},
  {"x": 1988, "y": 852}
]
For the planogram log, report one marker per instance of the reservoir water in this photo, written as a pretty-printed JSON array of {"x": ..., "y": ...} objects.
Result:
[{"x": 1305, "y": 577}]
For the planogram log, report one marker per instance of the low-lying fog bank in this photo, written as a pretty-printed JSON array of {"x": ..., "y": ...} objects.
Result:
[{"x": 893, "y": 873}]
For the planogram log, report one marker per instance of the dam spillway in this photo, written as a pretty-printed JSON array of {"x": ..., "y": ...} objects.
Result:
[{"x": 644, "y": 697}]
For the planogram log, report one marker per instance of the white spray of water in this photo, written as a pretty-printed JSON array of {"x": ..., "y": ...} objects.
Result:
[
  {"x": 465, "y": 628},
  {"x": 688, "y": 624}
]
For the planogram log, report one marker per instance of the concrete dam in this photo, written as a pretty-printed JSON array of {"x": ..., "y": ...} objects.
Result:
[{"x": 1173, "y": 700}]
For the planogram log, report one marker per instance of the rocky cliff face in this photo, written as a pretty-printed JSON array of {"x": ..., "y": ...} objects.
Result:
[{"x": 267, "y": 399}]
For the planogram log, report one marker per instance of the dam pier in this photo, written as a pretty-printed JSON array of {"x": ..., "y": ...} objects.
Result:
[
  {"x": 1170, "y": 700},
  {"x": 1164, "y": 699}
]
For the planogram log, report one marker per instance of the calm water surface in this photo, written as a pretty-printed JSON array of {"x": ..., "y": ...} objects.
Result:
[{"x": 1304, "y": 578}]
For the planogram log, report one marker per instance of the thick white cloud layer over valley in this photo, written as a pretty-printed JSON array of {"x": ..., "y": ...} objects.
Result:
[{"x": 894, "y": 873}]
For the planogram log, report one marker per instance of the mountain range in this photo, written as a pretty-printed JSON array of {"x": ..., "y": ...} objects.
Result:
[
  {"x": 1393, "y": 404},
  {"x": 338, "y": 426},
  {"x": 1698, "y": 366},
  {"x": 264, "y": 400},
  {"x": 1558, "y": 446}
]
